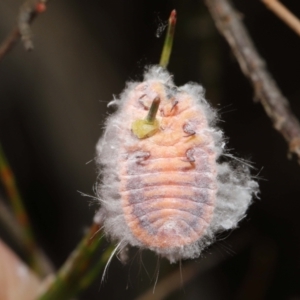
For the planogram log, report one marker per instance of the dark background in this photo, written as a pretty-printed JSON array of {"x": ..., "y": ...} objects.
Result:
[{"x": 53, "y": 104}]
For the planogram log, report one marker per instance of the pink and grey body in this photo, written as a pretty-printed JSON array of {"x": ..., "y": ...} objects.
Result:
[{"x": 167, "y": 192}]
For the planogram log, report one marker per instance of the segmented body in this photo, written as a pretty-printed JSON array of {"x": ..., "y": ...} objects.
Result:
[
  {"x": 162, "y": 187},
  {"x": 168, "y": 181}
]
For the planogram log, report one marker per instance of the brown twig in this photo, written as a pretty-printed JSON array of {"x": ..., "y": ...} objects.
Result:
[
  {"x": 9, "y": 42},
  {"x": 28, "y": 11},
  {"x": 284, "y": 14},
  {"x": 275, "y": 104},
  {"x": 11, "y": 225},
  {"x": 16, "y": 233},
  {"x": 181, "y": 277},
  {"x": 8, "y": 180},
  {"x": 71, "y": 278},
  {"x": 173, "y": 281}
]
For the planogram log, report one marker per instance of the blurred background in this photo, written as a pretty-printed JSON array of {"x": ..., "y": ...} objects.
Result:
[{"x": 53, "y": 102}]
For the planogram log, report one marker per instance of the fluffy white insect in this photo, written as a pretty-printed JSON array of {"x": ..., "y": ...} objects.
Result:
[{"x": 166, "y": 183}]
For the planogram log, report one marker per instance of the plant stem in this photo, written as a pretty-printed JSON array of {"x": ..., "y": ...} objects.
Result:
[
  {"x": 73, "y": 276},
  {"x": 277, "y": 107},
  {"x": 15, "y": 232},
  {"x": 284, "y": 14},
  {"x": 151, "y": 117},
  {"x": 9, "y": 183},
  {"x": 28, "y": 12},
  {"x": 92, "y": 274},
  {"x": 167, "y": 49}
]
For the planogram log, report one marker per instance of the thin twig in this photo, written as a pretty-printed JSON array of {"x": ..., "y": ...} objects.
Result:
[
  {"x": 11, "y": 226},
  {"x": 9, "y": 42},
  {"x": 16, "y": 234},
  {"x": 275, "y": 104},
  {"x": 9, "y": 183},
  {"x": 93, "y": 273},
  {"x": 167, "y": 49},
  {"x": 28, "y": 11},
  {"x": 175, "y": 280},
  {"x": 284, "y": 14},
  {"x": 70, "y": 278}
]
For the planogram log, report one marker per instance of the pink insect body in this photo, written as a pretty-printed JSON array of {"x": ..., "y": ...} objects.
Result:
[
  {"x": 166, "y": 191},
  {"x": 168, "y": 186}
]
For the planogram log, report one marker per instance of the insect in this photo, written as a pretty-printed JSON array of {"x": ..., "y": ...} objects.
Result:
[{"x": 165, "y": 183}]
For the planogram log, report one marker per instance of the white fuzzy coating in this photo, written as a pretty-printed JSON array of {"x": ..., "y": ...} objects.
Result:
[{"x": 235, "y": 186}]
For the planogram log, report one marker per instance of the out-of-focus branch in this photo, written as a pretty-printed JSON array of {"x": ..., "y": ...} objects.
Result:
[
  {"x": 284, "y": 14},
  {"x": 9, "y": 42},
  {"x": 74, "y": 275},
  {"x": 28, "y": 11},
  {"x": 11, "y": 226},
  {"x": 275, "y": 104},
  {"x": 174, "y": 281},
  {"x": 16, "y": 233},
  {"x": 9, "y": 183}
]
